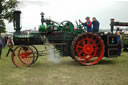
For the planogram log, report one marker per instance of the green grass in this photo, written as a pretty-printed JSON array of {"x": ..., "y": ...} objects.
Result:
[{"x": 110, "y": 71}]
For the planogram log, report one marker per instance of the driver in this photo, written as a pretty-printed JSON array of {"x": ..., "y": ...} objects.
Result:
[{"x": 88, "y": 24}]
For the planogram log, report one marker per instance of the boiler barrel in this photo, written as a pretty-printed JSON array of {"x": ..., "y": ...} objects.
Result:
[{"x": 28, "y": 39}]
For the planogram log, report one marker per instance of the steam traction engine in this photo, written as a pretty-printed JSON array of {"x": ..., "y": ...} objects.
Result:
[{"x": 85, "y": 48}]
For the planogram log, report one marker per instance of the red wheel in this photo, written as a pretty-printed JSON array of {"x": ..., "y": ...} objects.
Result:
[
  {"x": 22, "y": 56},
  {"x": 88, "y": 49},
  {"x": 26, "y": 55}
]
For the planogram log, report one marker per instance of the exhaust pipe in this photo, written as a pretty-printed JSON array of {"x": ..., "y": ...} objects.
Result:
[{"x": 16, "y": 21}]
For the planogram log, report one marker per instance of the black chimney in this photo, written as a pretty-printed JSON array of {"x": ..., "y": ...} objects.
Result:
[{"x": 16, "y": 20}]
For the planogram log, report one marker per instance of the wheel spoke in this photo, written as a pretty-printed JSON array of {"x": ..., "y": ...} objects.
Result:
[
  {"x": 80, "y": 53},
  {"x": 80, "y": 47}
]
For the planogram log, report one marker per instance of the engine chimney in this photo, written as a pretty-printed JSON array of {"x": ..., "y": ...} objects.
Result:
[{"x": 16, "y": 20}]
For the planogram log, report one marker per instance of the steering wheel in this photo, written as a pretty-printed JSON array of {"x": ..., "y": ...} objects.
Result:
[{"x": 80, "y": 25}]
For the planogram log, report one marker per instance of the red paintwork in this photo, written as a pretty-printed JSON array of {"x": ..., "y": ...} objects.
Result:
[
  {"x": 26, "y": 54},
  {"x": 87, "y": 47}
]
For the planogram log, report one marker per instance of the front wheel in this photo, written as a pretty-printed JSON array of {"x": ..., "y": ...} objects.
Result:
[{"x": 23, "y": 56}]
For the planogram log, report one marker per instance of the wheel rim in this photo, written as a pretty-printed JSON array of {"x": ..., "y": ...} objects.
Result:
[
  {"x": 88, "y": 49},
  {"x": 35, "y": 51},
  {"x": 15, "y": 59}
]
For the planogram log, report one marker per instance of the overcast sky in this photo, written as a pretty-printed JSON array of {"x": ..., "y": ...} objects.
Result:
[{"x": 60, "y": 10}]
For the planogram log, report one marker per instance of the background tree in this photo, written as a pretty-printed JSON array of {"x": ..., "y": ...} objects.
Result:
[{"x": 6, "y": 12}]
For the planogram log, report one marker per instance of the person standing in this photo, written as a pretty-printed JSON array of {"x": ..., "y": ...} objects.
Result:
[
  {"x": 119, "y": 43},
  {"x": 88, "y": 24},
  {"x": 10, "y": 44},
  {"x": 95, "y": 25},
  {"x": 1, "y": 45}
]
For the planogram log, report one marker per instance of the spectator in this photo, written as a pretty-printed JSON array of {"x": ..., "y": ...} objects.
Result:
[
  {"x": 10, "y": 44},
  {"x": 117, "y": 29},
  {"x": 1, "y": 45},
  {"x": 119, "y": 43},
  {"x": 88, "y": 24},
  {"x": 95, "y": 24}
]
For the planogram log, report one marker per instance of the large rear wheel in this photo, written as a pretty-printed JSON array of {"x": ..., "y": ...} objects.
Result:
[{"x": 87, "y": 49}]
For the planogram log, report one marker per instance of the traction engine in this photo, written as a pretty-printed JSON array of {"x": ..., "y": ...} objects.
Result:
[{"x": 85, "y": 48}]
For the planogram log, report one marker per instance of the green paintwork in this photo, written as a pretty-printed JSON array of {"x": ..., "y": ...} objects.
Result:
[
  {"x": 23, "y": 36},
  {"x": 47, "y": 28},
  {"x": 63, "y": 31},
  {"x": 65, "y": 28}
]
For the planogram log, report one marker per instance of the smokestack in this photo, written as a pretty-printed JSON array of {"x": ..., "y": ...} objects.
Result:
[
  {"x": 112, "y": 24},
  {"x": 16, "y": 20}
]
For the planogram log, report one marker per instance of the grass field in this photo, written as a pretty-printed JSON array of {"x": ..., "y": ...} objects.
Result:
[{"x": 110, "y": 71}]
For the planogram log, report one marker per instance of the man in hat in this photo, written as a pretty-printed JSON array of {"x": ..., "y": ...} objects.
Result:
[
  {"x": 95, "y": 24},
  {"x": 88, "y": 24}
]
